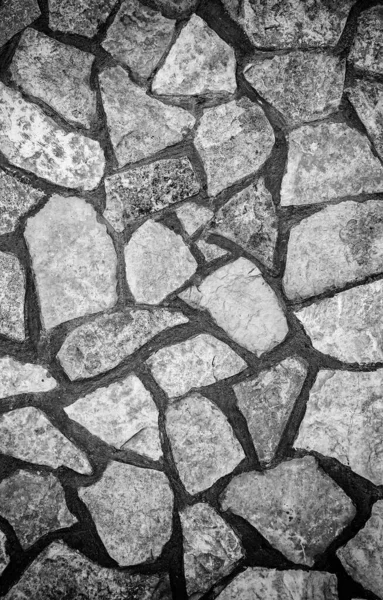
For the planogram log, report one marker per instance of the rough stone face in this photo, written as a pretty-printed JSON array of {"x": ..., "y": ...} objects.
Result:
[
  {"x": 73, "y": 259},
  {"x": 12, "y": 295},
  {"x": 176, "y": 9},
  {"x": 193, "y": 216},
  {"x": 79, "y": 16},
  {"x": 15, "y": 15},
  {"x": 139, "y": 126},
  {"x": 234, "y": 140},
  {"x": 367, "y": 50},
  {"x": 144, "y": 190},
  {"x": 31, "y": 140},
  {"x": 157, "y": 262},
  {"x": 16, "y": 199},
  {"x": 328, "y": 161},
  {"x": 23, "y": 378},
  {"x": 132, "y": 510},
  {"x": 367, "y": 99},
  {"x": 210, "y": 251},
  {"x": 197, "y": 362},
  {"x": 267, "y": 401},
  {"x": 200, "y": 436},
  {"x": 243, "y": 304},
  {"x": 4, "y": 559},
  {"x": 199, "y": 62},
  {"x": 101, "y": 344},
  {"x": 295, "y": 506}
]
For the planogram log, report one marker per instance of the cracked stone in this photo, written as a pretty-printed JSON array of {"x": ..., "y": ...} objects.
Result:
[
  {"x": 132, "y": 509},
  {"x": 234, "y": 140},
  {"x": 243, "y": 304},
  {"x": 197, "y": 362},
  {"x": 199, "y": 62},
  {"x": 328, "y": 161},
  {"x": 193, "y": 216},
  {"x": 79, "y": 16},
  {"x": 73, "y": 259},
  {"x": 210, "y": 251},
  {"x": 367, "y": 99},
  {"x": 12, "y": 296},
  {"x": 367, "y": 50},
  {"x": 295, "y": 506},
  {"x": 139, "y": 126},
  {"x": 4, "y": 557},
  {"x": 200, "y": 435},
  {"x": 267, "y": 401},
  {"x": 16, "y": 199},
  {"x": 23, "y": 378},
  {"x": 147, "y": 189},
  {"x": 15, "y": 15}
]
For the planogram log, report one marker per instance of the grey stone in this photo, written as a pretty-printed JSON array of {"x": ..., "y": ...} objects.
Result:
[
  {"x": 199, "y": 62},
  {"x": 242, "y": 303},
  {"x": 327, "y": 161},
  {"x": 367, "y": 50},
  {"x": 16, "y": 199},
  {"x": 73, "y": 260},
  {"x": 193, "y": 216},
  {"x": 147, "y": 189},
  {"x": 197, "y": 362},
  {"x": 367, "y": 99},
  {"x": 210, "y": 251},
  {"x": 79, "y": 16},
  {"x": 132, "y": 509},
  {"x": 139, "y": 126},
  {"x": 15, "y": 15},
  {"x": 234, "y": 140},
  {"x": 4, "y": 558},
  {"x": 267, "y": 401},
  {"x": 176, "y": 9},
  {"x": 200, "y": 436},
  {"x": 23, "y": 378},
  {"x": 101, "y": 344},
  {"x": 295, "y": 506},
  {"x": 12, "y": 295}
]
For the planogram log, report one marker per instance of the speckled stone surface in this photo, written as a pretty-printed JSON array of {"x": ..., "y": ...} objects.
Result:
[
  {"x": 15, "y": 15},
  {"x": 12, "y": 295},
  {"x": 367, "y": 50},
  {"x": 367, "y": 99},
  {"x": 16, "y": 199},
  {"x": 23, "y": 378},
  {"x": 83, "y": 17}
]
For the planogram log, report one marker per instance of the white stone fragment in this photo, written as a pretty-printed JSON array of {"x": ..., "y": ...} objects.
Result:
[{"x": 23, "y": 378}]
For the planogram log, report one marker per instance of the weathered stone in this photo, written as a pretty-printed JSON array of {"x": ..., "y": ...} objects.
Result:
[
  {"x": 132, "y": 509},
  {"x": 303, "y": 87},
  {"x": 200, "y": 436},
  {"x": 267, "y": 401},
  {"x": 12, "y": 294},
  {"x": 367, "y": 99},
  {"x": 234, "y": 140},
  {"x": 15, "y": 15},
  {"x": 23, "y": 378},
  {"x": 296, "y": 507},
  {"x": 243, "y": 304},
  {"x": 101, "y": 344},
  {"x": 73, "y": 259},
  {"x": 327, "y": 161},
  {"x": 367, "y": 50},
  {"x": 210, "y": 251},
  {"x": 139, "y": 126},
  {"x": 4, "y": 558},
  {"x": 16, "y": 199},
  {"x": 197, "y": 362},
  {"x": 157, "y": 262},
  {"x": 199, "y": 62},
  {"x": 193, "y": 216},
  {"x": 176, "y": 9},
  {"x": 211, "y": 548},
  {"x": 79, "y": 16},
  {"x": 144, "y": 190}
]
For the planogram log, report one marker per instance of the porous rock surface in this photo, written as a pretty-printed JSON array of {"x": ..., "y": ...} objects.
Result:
[
  {"x": 23, "y": 378},
  {"x": 367, "y": 99},
  {"x": 12, "y": 295},
  {"x": 79, "y": 16},
  {"x": 16, "y": 199},
  {"x": 15, "y": 15},
  {"x": 367, "y": 50}
]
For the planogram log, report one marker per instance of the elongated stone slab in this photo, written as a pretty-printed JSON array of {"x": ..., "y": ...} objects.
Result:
[
  {"x": 12, "y": 295},
  {"x": 79, "y": 16},
  {"x": 23, "y": 378},
  {"x": 16, "y": 199},
  {"x": 367, "y": 99},
  {"x": 15, "y": 15},
  {"x": 367, "y": 50}
]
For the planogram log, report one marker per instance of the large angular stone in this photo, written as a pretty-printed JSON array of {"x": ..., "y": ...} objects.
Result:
[
  {"x": 295, "y": 506},
  {"x": 16, "y": 199},
  {"x": 15, "y": 15},
  {"x": 73, "y": 259},
  {"x": 197, "y": 362},
  {"x": 139, "y": 126},
  {"x": 79, "y": 16},
  {"x": 4, "y": 558},
  {"x": 367, "y": 99},
  {"x": 243, "y": 304},
  {"x": 132, "y": 509},
  {"x": 31, "y": 140},
  {"x": 23, "y": 378},
  {"x": 12, "y": 295},
  {"x": 193, "y": 216},
  {"x": 367, "y": 50},
  {"x": 234, "y": 140}
]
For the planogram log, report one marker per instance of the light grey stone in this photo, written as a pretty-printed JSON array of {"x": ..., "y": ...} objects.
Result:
[
  {"x": 139, "y": 126},
  {"x": 234, "y": 140},
  {"x": 79, "y": 16},
  {"x": 243, "y": 304},
  {"x": 197, "y": 362},
  {"x": 132, "y": 509},
  {"x": 367, "y": 99},
  {"x": 210, "y": 251},
  {"x": 295, "y": 506},
  {"x": 16, "y": 199},
  {"x": 73, "y": 260},
  {"x": 12, "y": 295},
  {"x": 15, "y": 15},
  {"x": 4, "y": 558},
  {"x": 193, "y": 216},
  {"x": 23, "y": 378},
  {"x": 367, "y": 50}
]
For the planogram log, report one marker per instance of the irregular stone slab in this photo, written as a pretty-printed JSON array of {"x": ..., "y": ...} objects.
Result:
[
  {"x": 199, "y": 62},
  {"x": 296, "y": 507},
  {"x": 367, "y": 50},
  {"x": 139, "y": 126},
  {"x": 132, "y": 509},
  {"x": 327, "y": 161},
  {"x": 79, "y": 16},
  {"x": 242, "y": 303},
  {"x": 73, "y": 259},
  {"x": 210, "y": 251},
  {"x": 16, "y": 199},
  {"x": 200, "y": 435},
  {"x": 15, "y": 15},
  {"x": 193, "y": 216},
  {"x": 234, "y": 140},
  {"x": 267, "y": 401},
  {"x": 157, "y": 262},
  {"x": 197, "y": 362},
  {"x": 101, "y": 344},
  {"x": 12, "y": 295},
  {"x": 23, "y": 378},
  {"x": 4, "y": 558},
  {"x": 367, "y": 99},
  {"x": 144, "y": 190},
  {"x": 176, "y": 9}
]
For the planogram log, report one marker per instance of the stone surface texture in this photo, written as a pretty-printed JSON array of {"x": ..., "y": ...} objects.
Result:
[
  {"x": 79, "y": 16},
  {"x": 177, "y": 8},
  {"x": 193, "y": 216},
  {"x": 367, "y": 99},
  {"x": 15, "y": 15},
  {"x": 210, "y": 251},
  {"x": 12, "y": 295},
  {"x": 4, "y": 557},
  {"x": 16, "y": 199},
  {"x": 23, "y": 378},
  {"x": 367, "y": 50}
]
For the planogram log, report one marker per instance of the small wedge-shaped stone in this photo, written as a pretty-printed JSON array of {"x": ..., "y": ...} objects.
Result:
[
  {"x": 23, "y": 378},
  {"x": 16, "y": 199},
  {"x": 199, "y": 62},
  {"x": 4, "y": 557},
  {"x": 328, "y": 161},
  {"x": 79, "y": 16},
  {"x": 243, "y": 304},
  {"x": 211, "y": 548},
  {"x": 200, "y": 361},
  {"x": 132, "y": 509},
  {"x": 234, "y": 140},
  {"x": 367, "y": 50},
  {"x": 193, "y": 216},
  {"x": 139, "y": 126},
  {"x": 296, "y": 507},
  {"x": 12, "y": 295},
  {"x": 367, "y": 99},
  {"x": 15, "y": 15},
  {"x": 210, "y": 251},
  {"x": 31, "y": 140}
]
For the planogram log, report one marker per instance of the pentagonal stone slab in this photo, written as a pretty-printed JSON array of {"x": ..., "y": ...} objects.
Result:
[
  {"x": 16, "y": 199},
  {"x": 367, "y": 50},
  {"x": 79, "y": 16},
  {"x": 23, "y": 378},
  {"x": 193, "y": 216},
  {"x": 12, "y": 295},
  {"x": 15, "y": 15},
  {"x": 367, "y": 99}
]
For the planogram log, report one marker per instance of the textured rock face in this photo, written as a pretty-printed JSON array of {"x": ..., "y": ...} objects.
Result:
[
  {"x": 16, "y": 199},
  {"x": 234, "y": 141},
  {"x": 295, "y": 506},
  {"x": 15, "y": 15},
  {"x": 73, "y": 259},
  {"x": 176, "y": 9},
  {"x": 367, "y": 50},
  {"x": 4, "y": 559},
  {"x": 12, "y": 294},
  {"x": 23, "y": 378},
  {"x": 132, "y": 510},
  {"x": 367, "y": 99},
  {"x": 79, "y": 16},
  {"x": 210, "y": 251},
  {"x": 199, "y": 62},
  {"x": 193, "y": 216}
]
